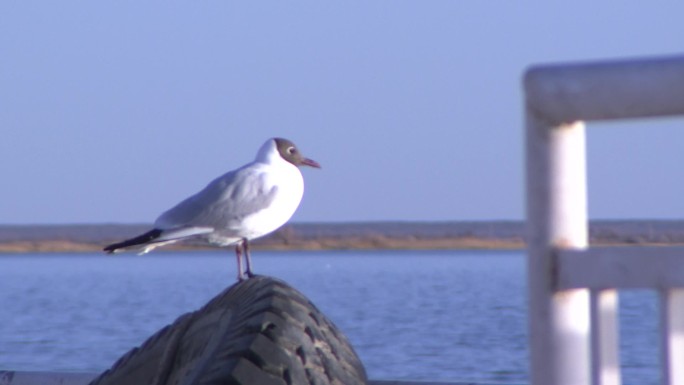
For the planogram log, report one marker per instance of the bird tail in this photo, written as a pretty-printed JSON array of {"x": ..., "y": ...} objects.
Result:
[{"x": 140, "y": 240}]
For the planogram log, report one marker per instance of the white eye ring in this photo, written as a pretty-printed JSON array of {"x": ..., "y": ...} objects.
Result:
[{"x": 291, "y": 150}]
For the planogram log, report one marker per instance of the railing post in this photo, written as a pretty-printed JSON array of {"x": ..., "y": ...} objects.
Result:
[
  {"x": 605, "y": 336},
  {"x": 672, "y": 335},
  {"x": 557, "y": 219}
]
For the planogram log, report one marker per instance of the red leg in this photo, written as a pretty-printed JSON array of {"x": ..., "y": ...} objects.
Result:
[
  {"x": 248, "y": 258},
  {"x": 238, "y": 254}
]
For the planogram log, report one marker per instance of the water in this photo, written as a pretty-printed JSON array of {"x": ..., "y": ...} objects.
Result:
[{"x": 410, "y": 315}]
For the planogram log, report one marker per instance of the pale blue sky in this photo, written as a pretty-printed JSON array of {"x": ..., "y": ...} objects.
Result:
[{"x": 113, "y": 111}]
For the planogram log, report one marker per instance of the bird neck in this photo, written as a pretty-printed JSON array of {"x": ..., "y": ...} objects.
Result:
[{"x": 268, "y": 153}]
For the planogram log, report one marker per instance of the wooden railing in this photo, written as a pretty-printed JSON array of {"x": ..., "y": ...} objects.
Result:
[{"x": 573, "y": 320}]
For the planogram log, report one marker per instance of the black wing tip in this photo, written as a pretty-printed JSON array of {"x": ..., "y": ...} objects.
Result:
[
  {"x": 110, "y": 249},
  {"x": 139, "y": 240}
]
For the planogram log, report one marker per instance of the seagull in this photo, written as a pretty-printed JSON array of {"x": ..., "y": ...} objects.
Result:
[{"x": 235, "y": 208}]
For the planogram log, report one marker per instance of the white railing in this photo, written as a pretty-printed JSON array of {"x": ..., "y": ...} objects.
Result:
[{"x": 573, "y": 322}]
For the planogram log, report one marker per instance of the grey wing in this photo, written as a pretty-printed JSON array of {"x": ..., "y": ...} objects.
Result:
[{"x": 223, "y": 203}]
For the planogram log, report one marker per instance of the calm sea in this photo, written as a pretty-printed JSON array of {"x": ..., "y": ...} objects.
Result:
[{"x": 411, "y": 315}]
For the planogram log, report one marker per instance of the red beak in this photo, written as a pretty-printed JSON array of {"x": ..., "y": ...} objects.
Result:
[{"x": 310, "y": 163}]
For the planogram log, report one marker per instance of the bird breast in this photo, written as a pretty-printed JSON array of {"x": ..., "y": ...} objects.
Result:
[{"x": 289, "y": 184}]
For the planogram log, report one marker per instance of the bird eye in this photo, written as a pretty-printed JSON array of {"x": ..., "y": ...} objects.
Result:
[{"x": 291, "y": 150}]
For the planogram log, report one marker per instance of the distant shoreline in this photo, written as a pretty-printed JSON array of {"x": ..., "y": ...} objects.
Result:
[
  {"x": 50, "y": 246},
  {"x": 348, "y": 236}
]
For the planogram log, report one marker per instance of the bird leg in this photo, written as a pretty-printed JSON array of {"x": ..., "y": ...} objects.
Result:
[
  {"x": 248, "y": 258},
  {"x": 238, "y": 254}
]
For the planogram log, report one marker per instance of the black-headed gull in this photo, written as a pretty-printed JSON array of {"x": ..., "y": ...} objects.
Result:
[{"x": 247, "y": 203}]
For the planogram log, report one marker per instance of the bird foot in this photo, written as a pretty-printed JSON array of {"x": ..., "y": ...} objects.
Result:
[{"x": 245, "y": 276}]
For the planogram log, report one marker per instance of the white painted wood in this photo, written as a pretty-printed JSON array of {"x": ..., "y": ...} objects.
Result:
[
  {"x": 559, "y": 99},
  {"x": 621, "y": 267},
  {"x": 557, "y": 218},
  {"x": 605, "y": 338},
  {"x": 606, "y": 90},
  {"x": 672, "y": 336}
]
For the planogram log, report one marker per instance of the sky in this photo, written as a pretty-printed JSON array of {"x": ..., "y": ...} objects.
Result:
[{"x": 114, "y": 111}]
